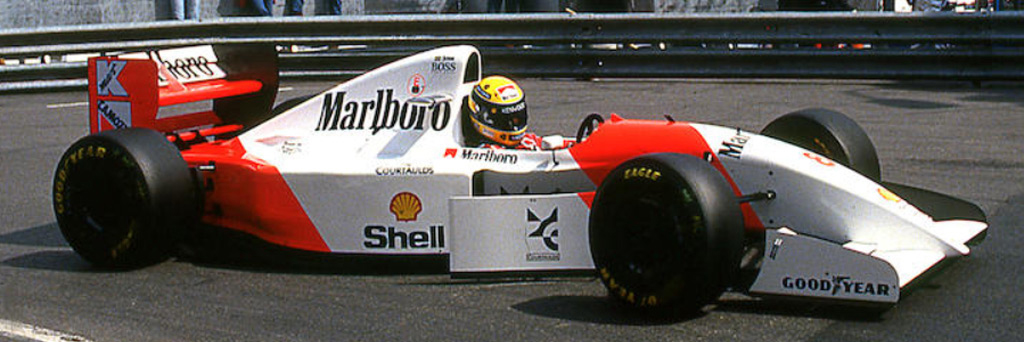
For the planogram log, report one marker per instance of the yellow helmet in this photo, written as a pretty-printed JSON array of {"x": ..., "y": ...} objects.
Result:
[{"x": 498, "y": 110}]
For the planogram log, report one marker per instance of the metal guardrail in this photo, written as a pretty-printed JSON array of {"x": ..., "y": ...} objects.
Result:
[{"x": 816, "y": 45}]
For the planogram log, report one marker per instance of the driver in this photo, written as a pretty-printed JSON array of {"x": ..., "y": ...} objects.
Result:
[{"x": 497, "y": 116}]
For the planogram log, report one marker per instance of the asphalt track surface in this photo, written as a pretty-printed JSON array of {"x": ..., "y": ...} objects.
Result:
[{"x": 955, "y": 138}]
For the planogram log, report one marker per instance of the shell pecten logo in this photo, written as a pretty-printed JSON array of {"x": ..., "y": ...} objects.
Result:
[
  {"x": 406, "y": 206},
  {"x": 889, "y": 195}
]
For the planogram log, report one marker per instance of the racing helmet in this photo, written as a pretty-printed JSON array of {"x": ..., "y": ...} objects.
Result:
[{"x": 498, "y": 110}]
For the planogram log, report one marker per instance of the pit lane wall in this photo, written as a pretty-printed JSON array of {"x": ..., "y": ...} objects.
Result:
[{"x": 48, "y": 13}]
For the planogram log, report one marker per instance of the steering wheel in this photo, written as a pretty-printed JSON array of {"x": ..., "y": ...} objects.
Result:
[{"x": 588, "y": 126}]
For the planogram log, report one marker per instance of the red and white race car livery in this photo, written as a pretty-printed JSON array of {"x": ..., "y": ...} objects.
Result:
[{"x": 664, "y": 211}]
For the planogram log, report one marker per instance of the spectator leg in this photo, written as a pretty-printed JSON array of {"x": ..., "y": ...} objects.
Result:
[
  {"x": 328, "y": 7},
  {"x": 263, "y": 7},
  {"x": 293, "y": 7},
  {"x": 178, "y": 9},
  {"x": 192, "y": 9}
]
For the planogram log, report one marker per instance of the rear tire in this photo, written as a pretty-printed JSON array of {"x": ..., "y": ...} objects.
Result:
[
  {"x": 666, "y": 233},
  {"x": 124, "y": 197},
  {"x": 830, "y": 134}
]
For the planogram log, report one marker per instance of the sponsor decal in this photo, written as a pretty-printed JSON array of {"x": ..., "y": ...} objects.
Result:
[
  {"x": 821, "y": 160},
  {"x": 483, "y": 155},
  {"x": 64, "y": 192},
  {"x": 117, "y": 113},
  {"x": 385, "y": 112},
  {"x": 516, "y": 137},
  {"x": 889, "y": 195},
  {"x": 406, "y": 207},
  {"x": 508, "y": 92},
  {"x": 616, "y": 289},
  {"x": 190, "y": 69},
  {"x": 836, "y": 284},
  {"x": 542, "y": 236},
  {"x": 480, "y": 92},
  {"x": 775, "y": 248},
  {"x": 512, "y": 109},
  {"x": 107, "y": 83},
  {"x": 404, "y": 170},
  {"x": 489, "y": 155},
  {"x": 733, "y": 147},
  {"x": 443, "y": 64},
  {"x": 899, "y": 204},
  {"x": 417, "y": 84},
  {"x": 60, "y": 185},
  {"x": 381, "y": 237},
  {"x": 641, "y": 172},
  {"x": 290, "y": 147},
  {"x": 191, "y": 64},
  {"x": 184, "y": 65}
]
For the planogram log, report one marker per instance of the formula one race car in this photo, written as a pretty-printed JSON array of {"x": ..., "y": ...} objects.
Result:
[{"x": 668, "y": 214}]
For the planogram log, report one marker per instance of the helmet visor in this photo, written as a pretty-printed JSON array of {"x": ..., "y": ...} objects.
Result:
[{"x": 509, "y": 118}]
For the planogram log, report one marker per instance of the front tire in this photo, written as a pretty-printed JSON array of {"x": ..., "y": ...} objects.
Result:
[
  {"x": 666, "y": 233},
  {"x": 122, "y": 198},
  {"x": 831, "y": 134}
]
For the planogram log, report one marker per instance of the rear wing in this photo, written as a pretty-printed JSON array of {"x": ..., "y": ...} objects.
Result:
[{"x": 162, "y": 89}]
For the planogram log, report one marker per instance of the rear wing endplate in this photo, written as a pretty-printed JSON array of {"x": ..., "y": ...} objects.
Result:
[{"x": 138, "y": 89}]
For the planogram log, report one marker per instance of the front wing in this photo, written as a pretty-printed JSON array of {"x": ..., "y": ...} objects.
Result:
[{"x": 547, "y": 234}]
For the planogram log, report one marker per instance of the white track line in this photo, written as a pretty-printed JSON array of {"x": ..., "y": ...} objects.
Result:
[
  {"x": 66, "y": 105},
  {"x": 13, "y": 329}
]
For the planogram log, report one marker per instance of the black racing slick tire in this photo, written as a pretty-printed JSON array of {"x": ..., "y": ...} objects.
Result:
[
  {"x": 831, "y": 134},
  {"x": 666, "y": 233},
  {"x": 123, "y": 198}
]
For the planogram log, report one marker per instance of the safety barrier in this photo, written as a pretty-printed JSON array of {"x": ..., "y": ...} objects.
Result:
[{"x": 977, "y": 46}]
